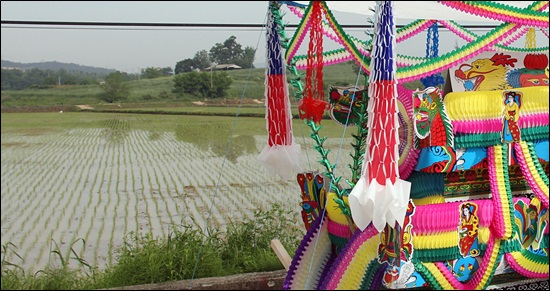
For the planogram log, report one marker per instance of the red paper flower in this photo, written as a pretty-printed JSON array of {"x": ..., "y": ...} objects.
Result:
[{"x": 310, "y": 108}]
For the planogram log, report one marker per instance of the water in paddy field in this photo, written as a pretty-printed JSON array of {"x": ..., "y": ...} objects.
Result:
[{"x": 86, "y": 189}]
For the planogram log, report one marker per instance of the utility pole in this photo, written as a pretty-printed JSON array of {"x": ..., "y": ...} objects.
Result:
[{"x": 211, "y": 83}]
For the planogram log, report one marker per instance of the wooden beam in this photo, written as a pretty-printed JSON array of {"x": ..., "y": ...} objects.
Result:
[
  {"x": 281, "y": 253},
  {"x": 273, "y": 280}
]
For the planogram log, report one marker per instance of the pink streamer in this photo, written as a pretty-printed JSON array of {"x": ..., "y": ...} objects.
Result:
[{"x": 521, "y": 270}]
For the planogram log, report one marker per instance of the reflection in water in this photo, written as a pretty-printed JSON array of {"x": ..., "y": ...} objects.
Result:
[
  {"x": 154, "y": 135},
  {"x": 240, "y": 145},
  {"x": 116, "y": 129},
  {"x": 215, "y": 137}
]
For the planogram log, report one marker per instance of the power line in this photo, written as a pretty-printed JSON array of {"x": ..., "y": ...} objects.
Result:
[
  {"x": 131, "y": 28},
  {"x": 191, "y": 25},
  {"x": 130, "y": 24}
]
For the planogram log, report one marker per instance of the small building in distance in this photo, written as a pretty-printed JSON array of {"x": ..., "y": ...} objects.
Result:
[
  {"x": 13, "y": 68},
  {"x": 223, "y": 67}
]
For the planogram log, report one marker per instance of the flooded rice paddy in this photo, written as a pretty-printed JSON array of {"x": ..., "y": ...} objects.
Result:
[{"x": 85, "y": 187}]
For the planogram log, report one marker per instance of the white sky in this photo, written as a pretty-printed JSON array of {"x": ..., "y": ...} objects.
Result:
[{"x": 130, "y": 49}]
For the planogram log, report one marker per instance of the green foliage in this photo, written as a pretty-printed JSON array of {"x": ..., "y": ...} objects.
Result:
[
  {"x": 144, "y": 259},
  {"x": 247, "y": 246},
  {"x": 152, "y": 73},
  {"x": 187, "y": 83},
  {"x": 185, "y": 253},
  {"x": 36, "y": 78},
  {"x": 115, "y": 88},
  {"x": 183, "y": 66},
  {"x": 50, "y": 278},
  {"x": 228, "y": 52},
  {"x": 246, "y": 83},
  {"x": 205, "y": 84},
  {"x": 247, "y": 59},
  {"x": 231, "y": 52},
  {"x": 200, "y": 62},
  {"x": 224, "y": 53},
  {"x": 220, "y": 82},
  {"x": 12, "y": 80}
]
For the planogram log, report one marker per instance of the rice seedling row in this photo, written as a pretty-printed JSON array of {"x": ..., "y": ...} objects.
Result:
[
  {"x": 106, "y": 192},
  {"x": 115, "y": 217},
  {"x": 89, "y": 157},
  {"x": 143, "y": 211},
  {"x": 121, "y": 178},
  {"x": 97, "y": 196},
  {"x": 172, "y": 185},
  {"x": 136, "y": 185},
  {"x": 56, "y": 159},
  {"x": 40, "y": 216},
  {"x": 158, "y": 172},
  {"x": 25, "y": 187},
  {"x": 88, "y": 223},
  {"x": 150, "y": 193},
  {"x": 164, "y": 196},
  {"x": 74, "y": 151},
  {"x": 133, "y": 194},
  {"x": 131, "y": 190},
  {"x": 122, "y": 195}
]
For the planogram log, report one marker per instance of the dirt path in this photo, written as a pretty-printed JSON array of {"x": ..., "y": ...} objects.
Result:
[{"x": 84, "y": 106}]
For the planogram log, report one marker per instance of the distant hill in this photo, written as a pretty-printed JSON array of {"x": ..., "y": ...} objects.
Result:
[{"x": 55, "y": 66}]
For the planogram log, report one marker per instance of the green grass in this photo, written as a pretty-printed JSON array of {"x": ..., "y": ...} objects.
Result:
[
  {"x": 157, "y": 93},
  {"x": 243, "y": 248},
  {"x": 185, "y": 253},
  {"x": 45, "y": 122},
  {"x": 247, "y": 84},
  {"x": 143, "y": 259}
]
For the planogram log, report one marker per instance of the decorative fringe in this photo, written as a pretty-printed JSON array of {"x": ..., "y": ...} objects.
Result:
[
  {"x": 414, "y": 68},
  {"x": 350, "y": 267},
  {"x": 439, "y": 277},
  {"x": 310, "y": 259},
  {"x": 528, "y": 264},
  {"x": 502, "y": 12},
  {"x": 426, "y": 184},
  {"x": 503, "y": 210}
]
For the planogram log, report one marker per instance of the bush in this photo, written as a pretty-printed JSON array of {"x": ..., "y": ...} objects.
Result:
[
  {"x": 186, "y": 253},
  {"x": 203, "y": 84},
  {"x": 147, "y": 97},
  {"x": 115, "y": 87}
]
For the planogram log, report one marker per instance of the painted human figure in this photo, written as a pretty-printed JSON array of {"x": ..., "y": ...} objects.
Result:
[
  {"x": 510, "y": 128},
  {"x": 468, "y": 230}
]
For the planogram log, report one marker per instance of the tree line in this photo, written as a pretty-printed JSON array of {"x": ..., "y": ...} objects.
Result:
[
  {"x": 228, "y": 52},
  {"x": 189, "y": 75},
  {"x": 14, "y": 79}
]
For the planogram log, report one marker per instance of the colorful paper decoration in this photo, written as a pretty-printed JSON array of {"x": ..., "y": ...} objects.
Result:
[
  {"x": 281, "y": 155},
  {"x": 425, "y": 248},
  {"x": 413, "y": 68},
  {"x": 312, "y": 106},
  {"x": 380, "y": 196}
]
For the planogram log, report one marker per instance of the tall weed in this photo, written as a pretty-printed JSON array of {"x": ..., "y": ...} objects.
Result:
[{"x": 187, "y": 252}]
